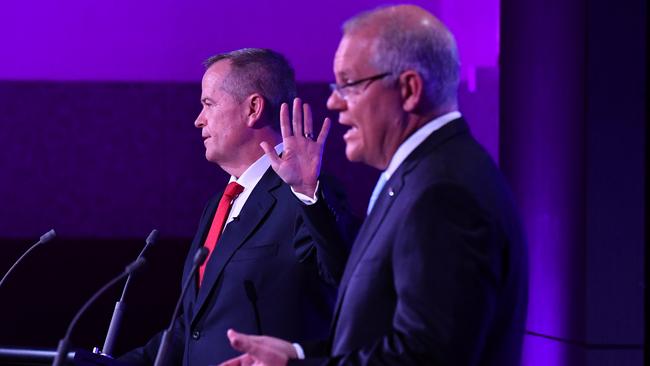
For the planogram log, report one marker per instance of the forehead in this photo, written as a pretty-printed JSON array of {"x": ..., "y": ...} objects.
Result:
[
  {"x": 354, "y": 54},
  {"x": 214, "y": 76}
]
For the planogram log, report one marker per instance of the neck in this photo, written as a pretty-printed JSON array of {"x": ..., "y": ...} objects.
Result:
[
  {"x": 416, "y": 120},
  {"x": 413, "y": 122},
  {"x": 250, "y": 152}
]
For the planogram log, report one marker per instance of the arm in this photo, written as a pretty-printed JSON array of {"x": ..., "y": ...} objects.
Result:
[
  {"x": 331, "y": 228},
  {"x": 328, "y": 222}
]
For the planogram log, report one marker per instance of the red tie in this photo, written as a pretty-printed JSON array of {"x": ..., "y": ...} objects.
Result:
[{"x": 229, "y": 195}]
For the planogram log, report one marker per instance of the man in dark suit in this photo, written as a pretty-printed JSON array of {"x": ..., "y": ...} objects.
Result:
[
  {"x": 438, "y": 272},
  {"x": 268, "y": 271}
]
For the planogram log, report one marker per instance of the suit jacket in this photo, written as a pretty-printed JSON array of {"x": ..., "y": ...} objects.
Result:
[
  {"x": 438, "y": 272},
  {"x": 268, "y": 274}
]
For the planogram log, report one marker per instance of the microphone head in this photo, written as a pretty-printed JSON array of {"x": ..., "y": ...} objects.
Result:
[
  {"x": 135, "y": 265},
  {"x": 48, "y": 236},
  {"x": 201, "y": 255},
  {"x": 152, "y": 237}
]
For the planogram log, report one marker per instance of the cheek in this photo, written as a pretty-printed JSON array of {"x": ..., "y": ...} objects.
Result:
[
  {"x": 366, "y": 126},
  {"x": 213, "y": 122}
]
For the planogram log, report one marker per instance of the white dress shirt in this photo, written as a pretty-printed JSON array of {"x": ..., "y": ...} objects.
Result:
[
  {"x": 249, "y": 180},
  {"x": 411, "y": 143}
]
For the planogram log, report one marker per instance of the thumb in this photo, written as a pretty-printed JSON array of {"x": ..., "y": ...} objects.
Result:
[
  {"x": 239, "y": 341},
  {"x": 237, "y": 361},
  {"x": 273, "y": 156}
]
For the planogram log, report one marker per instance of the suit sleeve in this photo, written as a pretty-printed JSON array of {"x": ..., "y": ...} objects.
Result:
[
  {"x": 332, "y": 227},
  {"x": 447, "y": 271}
]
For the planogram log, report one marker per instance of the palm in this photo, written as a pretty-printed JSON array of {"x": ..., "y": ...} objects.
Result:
[{"x": 300, "y": 162}]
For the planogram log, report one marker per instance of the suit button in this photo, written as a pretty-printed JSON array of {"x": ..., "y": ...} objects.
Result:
[{"x": 196, "y": 334}]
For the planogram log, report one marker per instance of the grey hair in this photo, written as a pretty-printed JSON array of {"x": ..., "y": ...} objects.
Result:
[
  {"x": 259, "y": 70},
  {"x": 428, "y": 49}
]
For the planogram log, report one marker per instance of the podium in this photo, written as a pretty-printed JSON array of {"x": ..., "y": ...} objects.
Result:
[{"x": 12, "y": 356}]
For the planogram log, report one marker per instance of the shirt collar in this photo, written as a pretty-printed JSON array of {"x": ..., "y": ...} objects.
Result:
[
  {"x": 413, "y": 141},
  {"x": 255, "y": 171}
]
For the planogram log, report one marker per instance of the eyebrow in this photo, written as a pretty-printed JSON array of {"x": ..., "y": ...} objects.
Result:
[{"x": 343, "y": 76}]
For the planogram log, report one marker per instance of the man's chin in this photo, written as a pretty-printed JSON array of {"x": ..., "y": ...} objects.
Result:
[
  {"x": 356, "y": 156},
  {"x": 352, "y": 154},
  {"x": 211, "y": 157}
]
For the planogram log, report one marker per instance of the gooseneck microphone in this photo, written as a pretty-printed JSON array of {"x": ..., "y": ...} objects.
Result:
[
  {"x": 120, "y": 306},
  {"x": 44, "y": 239},
  {"x": 199, "y": 257},
  {"x": 62, "y": 349}
]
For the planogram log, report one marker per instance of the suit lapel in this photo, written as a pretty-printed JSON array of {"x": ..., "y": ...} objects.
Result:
[
  {"x": 385, "y": 200},
  {"x": 237, "y": 231},
  {"x": 392, "y": 190}
]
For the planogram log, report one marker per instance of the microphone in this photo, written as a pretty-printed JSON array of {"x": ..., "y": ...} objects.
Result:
[
  {"x": 44, "y": 239},
  {"x": 249, "y": 286},
  {"x": 199, "y": 257},
  {"x": 120, "y": 306},
  {"x": 62, "y": 349}
]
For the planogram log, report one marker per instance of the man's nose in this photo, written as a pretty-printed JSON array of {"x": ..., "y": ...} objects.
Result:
[
  {"x": 199, "y": 122},
  {"x": 335, "y": 102}
]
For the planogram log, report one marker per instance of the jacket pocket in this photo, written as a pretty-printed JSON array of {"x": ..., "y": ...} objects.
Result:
[{"x": 257, "y": 252}]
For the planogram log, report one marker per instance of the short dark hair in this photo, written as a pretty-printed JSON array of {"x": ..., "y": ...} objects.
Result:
[{"x": 259, "y": 70}]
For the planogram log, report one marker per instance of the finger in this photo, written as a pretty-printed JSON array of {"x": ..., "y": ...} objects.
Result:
[
  {"x": 239, "y": 341},
  {"x": 297, "y": 117},
  {"x": 252, "y": 348},
  {"x": 237, "y": 361},
  {"x": 247, "y": 360},
  {"x": 324, "y": 131},
  {"x": 285, "y": 128},
  {"x": 308, "y": 122},
  {"x": 271, "y": 153}
]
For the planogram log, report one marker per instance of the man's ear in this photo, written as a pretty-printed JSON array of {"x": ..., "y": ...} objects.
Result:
[
  {"x": 411, "y": 88},
  {"x": 254, "y": 107}
]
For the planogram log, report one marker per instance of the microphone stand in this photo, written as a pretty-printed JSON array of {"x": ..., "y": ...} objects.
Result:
[
  {"x": 199, "y": 258},
  {"x": 120, "y": 306},
  {"x": 62, "y": 349},
  {"x": 44, "y": 239}
]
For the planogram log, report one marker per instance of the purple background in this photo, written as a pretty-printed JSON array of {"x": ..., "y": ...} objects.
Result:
[
  {"x": 97, "y": 102},
  {"x": 166, "y": 40}
]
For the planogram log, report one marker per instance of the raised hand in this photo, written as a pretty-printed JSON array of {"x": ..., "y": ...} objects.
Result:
[
  {"x": 259, "y": 350},
  {"x": 300, "y": 162}
]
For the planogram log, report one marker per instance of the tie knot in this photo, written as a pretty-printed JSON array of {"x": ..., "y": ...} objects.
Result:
[{"x": 233, "y": 189}]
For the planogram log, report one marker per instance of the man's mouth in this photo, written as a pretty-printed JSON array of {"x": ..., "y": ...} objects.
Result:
[{"x": 351, "y": 132}]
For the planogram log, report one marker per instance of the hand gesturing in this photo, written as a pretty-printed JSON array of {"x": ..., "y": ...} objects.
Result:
[
  {"x": 259, "y": 350},
  {"x": 300, "y": 162}
]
